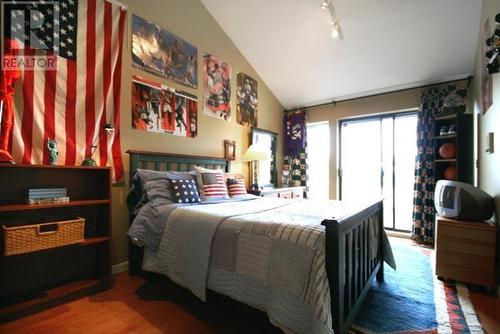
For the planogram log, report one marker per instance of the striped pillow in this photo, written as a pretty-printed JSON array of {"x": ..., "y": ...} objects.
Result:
[
  {"x": 236, "y": 187},
  {"x": 211, "y": 184}
]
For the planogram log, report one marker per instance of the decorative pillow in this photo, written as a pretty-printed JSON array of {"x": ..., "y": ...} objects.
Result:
[
  {"x": 149, "y": 185},
  {"x": 184, "y": 191},
  {"x": 236, "y": 187},
  {"x": 211, "y": 184}
]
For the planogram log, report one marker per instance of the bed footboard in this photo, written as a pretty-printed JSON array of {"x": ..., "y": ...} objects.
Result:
[{"x": 353, "y": 259}]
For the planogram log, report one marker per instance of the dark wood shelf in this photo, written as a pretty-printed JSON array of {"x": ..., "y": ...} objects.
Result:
[
  {"x": 454, "y": 135},
  {"x": 445, "y": 160},
  {"x": 54, "y": 296},
  {"x": 95, "y": 240},
  {"x": 22, "y": 207}
]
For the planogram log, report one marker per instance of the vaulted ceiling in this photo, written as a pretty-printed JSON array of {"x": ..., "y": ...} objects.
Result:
[{"x": 386, "y": 45}]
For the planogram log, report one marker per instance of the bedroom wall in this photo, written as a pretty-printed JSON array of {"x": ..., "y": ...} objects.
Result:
[
  {"x": 361, "y": 107},
  {"x": 191, "y": 21},
  {"x": 489, "y": 172}
]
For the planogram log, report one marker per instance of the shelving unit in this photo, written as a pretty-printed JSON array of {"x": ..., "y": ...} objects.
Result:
[
  {"x": 462, "y": 138},
  {"x": 34, "y": 281}
]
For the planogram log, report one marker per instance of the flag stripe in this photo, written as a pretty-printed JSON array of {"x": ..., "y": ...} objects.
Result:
[
  {"x": 27, "y": 122},
  {"x": 49, "y": 101},
  {"x": 90, "y": 78},
  {"x": 103, "y": 140},
  {"x": 71, "y": 113},
  {"x": 60, "y": 108},
  {"x": 117, "y": 77}
]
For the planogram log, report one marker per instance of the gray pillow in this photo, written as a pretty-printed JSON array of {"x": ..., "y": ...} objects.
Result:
[{"x": 156, "y": 184}]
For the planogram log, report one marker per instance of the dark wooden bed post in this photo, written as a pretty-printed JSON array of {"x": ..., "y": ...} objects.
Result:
[
  {"x": 349, "y": 266},
  {"x": 335, "y": 249}
]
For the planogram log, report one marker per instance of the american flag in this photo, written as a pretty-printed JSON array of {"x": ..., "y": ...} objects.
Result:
[
  {"x": 236, "y": 187},
  {"x": 213, "y": 185},
  {"x": 73, "y": 103}
]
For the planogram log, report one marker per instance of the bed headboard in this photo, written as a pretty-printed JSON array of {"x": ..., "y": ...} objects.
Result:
[{"x": 168, "y": 161}]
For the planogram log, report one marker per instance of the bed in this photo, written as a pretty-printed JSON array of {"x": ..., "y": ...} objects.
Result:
[{"x": 354, "y": 241}]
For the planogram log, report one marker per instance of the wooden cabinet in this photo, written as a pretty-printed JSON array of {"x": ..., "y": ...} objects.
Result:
[
  {"x": 288, "y": 193},
  {"x": 465, "y": 251},
  {"x": 33, "y": 281},
  {"x": 462, "y": 139}
]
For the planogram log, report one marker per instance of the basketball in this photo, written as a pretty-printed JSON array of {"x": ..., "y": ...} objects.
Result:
[
  {"x": 447, "y": 151},
  {"x": 450, "y": 173}
]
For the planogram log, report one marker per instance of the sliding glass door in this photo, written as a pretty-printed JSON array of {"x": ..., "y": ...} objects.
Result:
[{"x": 377, "y": 158}]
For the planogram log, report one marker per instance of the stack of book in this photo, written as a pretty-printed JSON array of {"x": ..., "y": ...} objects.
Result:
[{"x": 47, "y": 196}]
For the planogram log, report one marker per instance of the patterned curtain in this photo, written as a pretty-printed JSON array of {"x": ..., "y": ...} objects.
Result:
[
  {"x": 436, "y": 100},
  {"x": 295, "y": 149}
]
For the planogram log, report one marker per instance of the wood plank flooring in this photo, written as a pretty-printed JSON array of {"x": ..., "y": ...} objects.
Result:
[{"x": 133, "y": 306}]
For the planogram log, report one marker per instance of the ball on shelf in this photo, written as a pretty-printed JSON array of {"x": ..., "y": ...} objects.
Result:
[
  {"x": 447, "y": 151},
  {"x": 450, "y": 173}
]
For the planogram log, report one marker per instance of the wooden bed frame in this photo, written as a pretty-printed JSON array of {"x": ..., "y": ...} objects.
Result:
[{"x": 349, "y": 267}]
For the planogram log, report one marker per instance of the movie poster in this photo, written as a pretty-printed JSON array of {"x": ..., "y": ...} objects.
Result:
[
  {"x": 157, "y": 51},
  {"x": 217, "y": 88},
  {"x": 158, "y": 108},
  {"x": 246, "y": 109}
]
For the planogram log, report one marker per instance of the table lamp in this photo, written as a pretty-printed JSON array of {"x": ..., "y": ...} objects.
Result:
[{"x": 256, "y": 153}]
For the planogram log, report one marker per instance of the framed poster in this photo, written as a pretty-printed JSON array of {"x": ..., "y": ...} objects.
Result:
[
  {"x": 246, "y": 109},
  {"x": 162, "y": 53},
  {"x": 158, "y": 108},
  {"x": 486, "y": 80},
  {"x": 216, "y": 88}
]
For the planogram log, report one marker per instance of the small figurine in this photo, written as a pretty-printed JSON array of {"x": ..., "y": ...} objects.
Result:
[{"x": 53, "y": 153}]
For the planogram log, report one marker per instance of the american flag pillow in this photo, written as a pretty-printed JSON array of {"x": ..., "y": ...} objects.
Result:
[
  {"x": 211, "y": 184},
  {"x": 184, "y": 191},
  {"x": 236, "y": 187}
]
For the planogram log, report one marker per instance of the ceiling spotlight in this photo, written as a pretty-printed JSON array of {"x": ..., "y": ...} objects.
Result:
[
  {"x": 336, "y": 31},
  {"x": 324, "y": 4}
]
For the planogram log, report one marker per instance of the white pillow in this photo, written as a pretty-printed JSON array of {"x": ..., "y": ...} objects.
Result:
[{"x": 211, "y": 184}]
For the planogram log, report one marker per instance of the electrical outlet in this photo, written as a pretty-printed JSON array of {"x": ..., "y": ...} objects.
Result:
[{"x": 490, "y": 141}]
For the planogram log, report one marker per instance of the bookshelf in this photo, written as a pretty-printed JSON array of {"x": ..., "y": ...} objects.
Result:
[
  {"x": 463, "y": 141},
  {"x": 34, "y": 281}
]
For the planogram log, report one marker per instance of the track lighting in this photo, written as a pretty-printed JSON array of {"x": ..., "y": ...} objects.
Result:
[{"x": 336, "y": 32}]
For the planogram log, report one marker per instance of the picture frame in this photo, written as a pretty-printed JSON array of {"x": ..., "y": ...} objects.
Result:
[{"x": 229, "y": 149}]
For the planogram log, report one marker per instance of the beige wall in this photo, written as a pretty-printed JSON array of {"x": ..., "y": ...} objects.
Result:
[
  {"x": 489, "y": 164},
  {"x": 191, "y": 21},
  {"x": 373, "y": 105}
]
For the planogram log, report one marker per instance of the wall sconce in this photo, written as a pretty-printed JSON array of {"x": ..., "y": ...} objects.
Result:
[{"x": 89, "y": 161}]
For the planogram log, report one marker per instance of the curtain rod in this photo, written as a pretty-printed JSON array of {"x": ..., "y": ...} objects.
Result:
[{"x": 469, "y": 78}]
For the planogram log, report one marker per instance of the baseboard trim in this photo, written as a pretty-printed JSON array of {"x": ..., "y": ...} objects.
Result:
[
  {"x": 119, "y": 268},
  {"x": 397, "y": 234}
]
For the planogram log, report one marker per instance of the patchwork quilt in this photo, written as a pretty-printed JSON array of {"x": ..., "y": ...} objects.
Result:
[{"x": 268, "y": 253}]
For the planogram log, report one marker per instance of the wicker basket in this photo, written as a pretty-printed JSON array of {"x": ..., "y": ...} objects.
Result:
[{"x": 32, "y": 238}]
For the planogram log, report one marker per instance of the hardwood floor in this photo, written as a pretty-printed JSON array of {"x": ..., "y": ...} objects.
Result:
[{"x": 133, "y": 306}]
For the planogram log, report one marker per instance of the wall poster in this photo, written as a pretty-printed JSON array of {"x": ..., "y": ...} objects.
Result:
[
  {"x": 162, "y": 53},
  {"x": 216, "y": 88},
  {"x": 158, "y": 108},
  {"x": 246, "y": 109}
]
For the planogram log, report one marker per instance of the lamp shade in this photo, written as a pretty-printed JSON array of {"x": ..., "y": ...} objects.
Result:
[{"x": 256, "y": 153}]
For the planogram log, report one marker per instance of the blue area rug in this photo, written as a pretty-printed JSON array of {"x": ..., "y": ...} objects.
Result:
[{"x": 412, "y": 300}]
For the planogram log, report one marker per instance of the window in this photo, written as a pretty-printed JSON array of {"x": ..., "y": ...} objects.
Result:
[{"x": 267, "y": 169}]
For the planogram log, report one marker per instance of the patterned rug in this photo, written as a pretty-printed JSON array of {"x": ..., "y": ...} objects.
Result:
[{"x": 413, "y": 300}]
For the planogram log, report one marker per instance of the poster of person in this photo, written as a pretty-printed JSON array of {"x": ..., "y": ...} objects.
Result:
[
  {"x": 486, "y": 80},
  {"x": 217, "y": 88},
  {"x": 246, "y": 109},
  {"x": 186, "y": 115},
  {"x": 158, "y": 108},
  {"x": 157, "y": 51},
  {"x": 146, "y": 105}
]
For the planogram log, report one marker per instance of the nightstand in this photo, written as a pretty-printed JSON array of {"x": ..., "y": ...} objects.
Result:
[
  {"x": 465, "y": 251},
  {"x": 288, "y": 192}
]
